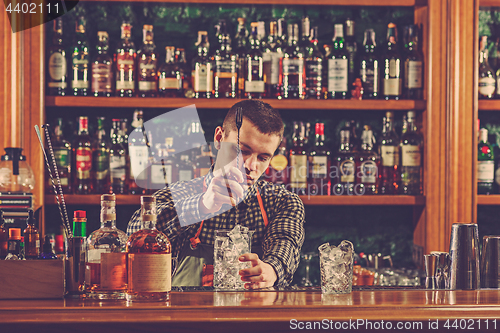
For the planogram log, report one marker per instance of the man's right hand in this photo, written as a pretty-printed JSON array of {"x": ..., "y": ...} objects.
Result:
[{"x": 228, "y": 187}]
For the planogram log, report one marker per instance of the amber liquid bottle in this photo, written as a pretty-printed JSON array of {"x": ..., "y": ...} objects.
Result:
[
  {"x": 82, "y": 150},
  {"x": 314, "y": 67},
  {"x": 389, "y": 153},
  {"x": 298, "y": 161},
  {"x": 147, "y": 65},
  {"x": 170, "y": 77},
  {"x": 31, "y": 238},
  {"x": 202, "y": 69},
  {"x": 225, "y": 66},
  {"x": 124, "y": 59},
  {"x": 57, "y": 78},
  {"x": 102, "y": 68}
]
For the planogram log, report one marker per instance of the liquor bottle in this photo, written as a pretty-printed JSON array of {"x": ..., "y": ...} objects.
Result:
[
  {"x": 306, "y": 31},
  {"x": 125, "y": 63},
  {"x": 352, "y": 48},
  {"x": 204, "y": 162},
  {"x": 80, "y": 223},
  {"x": 14, "y": 246},
  {"x": 368, "y": 163},
  {"x": 413, "y": 64},
  {"x": 261, "y": 33},
  {"x": 31, "y": 238},
  {"x": 485, "y": 164},
  {"x": 411, "y": 157},
  {"x": 346, "y": 162},
  {"x": 240, "y": 48},
  {"x": 369, "y": 67},
  {"x": 272, "y": 53},
  {"x": 278, "y": 171},
  {"x": 148, "y": 248},
  {"x": 117, "y": 160},
  {"x": 338, "y": 66},
  {"x": 392, "y": 79},
  {"x": 184, "y": 167},
  {"x": 62, "y": 155},
  {"x": 80, "y": 60},
  {"x": 4, "y": 237},
  {"x": 487, "y": 78},
  {"x": 102, "y": 68},
  {"x": 82, "y": 150},
  {"x": 389, "y": 154},
  {"x": 147, "y": 66},
  {"x": 314, "y": 67},
  {"x": 47, "y": 251},
  {"x": 202, "y": 71},
  {"x": 225, "y": 62},
  {"x": 292, "y": 67},
  {"x": 170, "y": 78},
  {"x": 298, "y": 161},
  {"x": 57, "y": 79},
  {"x": 139, "y": 155},
  {"x": 100, "y": 159},
  {"x": 106, "y": 262},
  {"x": 254, "y": 80},
  {"x": 319, "y": 164},
  {"x": 185, "y": 73}
]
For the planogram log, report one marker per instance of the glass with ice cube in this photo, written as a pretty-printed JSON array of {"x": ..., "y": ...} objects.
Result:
[
  {"x": 228, "y": 246},
  {"x": 336, "y": 264}
]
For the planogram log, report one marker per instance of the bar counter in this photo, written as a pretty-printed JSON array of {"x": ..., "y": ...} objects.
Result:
[{"x": 362, "y": 310}]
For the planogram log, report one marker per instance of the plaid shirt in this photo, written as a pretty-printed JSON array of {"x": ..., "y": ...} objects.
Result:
[{"x": 179, "y": 218}]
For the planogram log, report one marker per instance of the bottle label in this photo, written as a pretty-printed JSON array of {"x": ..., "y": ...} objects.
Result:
[
  {"x": 113, "y": 271},
  {"x": 347, "y": 171},
  {"x": 185, "y": 175},
  {"x": 337, "y": 74},
  {"x": 157, "y": 174},
  {"x": 169, "y": 83},
  {"x": 389, "y": 155},
  {"x": 392, "y": 87},
  {"x": 149, "y": 272},
  {"x": 80, "y": 84},
  {"x": 485, "y": 171},
  {"x": 101, "y": 77},
  {"x": 62, "y": 157},
  {"x": 101, "y": 163},
  {"x": 279, "y": 162},
  {"x": 272, "y": 69},
  {"x": 125, "y": 71},
  {"x": 254, "y": 86},
  {"x": 319, "y": 167},
  {"x": 414, "y": 74},
  {"x": 202, "y": 78},
  {"x": 369, "y": 172},
  {"x": 313, "y": 69},
  {"x": 147, "y": 85},
  {"x": 394, "y": 68},
  {"x": 138, "y": 162},
  {"x": 486, "y": 86},
  {"x": 369, "y": 78},
  {"x": 94, "y": 255},
  {"x": 292, "y": 66},
  {"x": 62, "y": 85},
  {"x": 225, "y": 69},
  {"x": 57, "y": 67},
  {"x": 117, "y": 165},
  {"x": 83, "y": 162},
  {"x": 298, "y": 177},
  {"x": 411, "y": 155}
]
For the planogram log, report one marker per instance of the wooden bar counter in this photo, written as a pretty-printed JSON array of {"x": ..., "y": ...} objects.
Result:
[{"x": 416, "y": 310}]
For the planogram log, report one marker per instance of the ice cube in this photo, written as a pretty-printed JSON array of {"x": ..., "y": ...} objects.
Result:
[
  {"x": 239, "y": 240},
  {"x": 324, "y": 248}
]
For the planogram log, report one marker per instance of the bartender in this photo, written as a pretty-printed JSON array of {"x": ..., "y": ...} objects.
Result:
[{"x": 189, "y": 212}]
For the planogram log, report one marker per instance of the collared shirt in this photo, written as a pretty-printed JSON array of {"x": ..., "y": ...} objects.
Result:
[{"x": 178, "y": 216}]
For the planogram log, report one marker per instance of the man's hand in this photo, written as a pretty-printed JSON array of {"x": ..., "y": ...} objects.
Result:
[
  {"x": 228, "y": 187},
  {"x": 260, "y": 275}
]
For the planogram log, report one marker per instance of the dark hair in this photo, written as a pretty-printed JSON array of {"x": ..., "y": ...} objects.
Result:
[{"x": 261, "y": 115}]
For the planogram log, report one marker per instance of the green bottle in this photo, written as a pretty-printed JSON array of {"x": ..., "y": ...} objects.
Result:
[
  {"x": 80, "y": 223},
  {"x": 485, "y": 164}
]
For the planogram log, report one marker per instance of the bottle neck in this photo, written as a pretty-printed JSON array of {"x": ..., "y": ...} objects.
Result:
[{"x": 108, "y": 214}]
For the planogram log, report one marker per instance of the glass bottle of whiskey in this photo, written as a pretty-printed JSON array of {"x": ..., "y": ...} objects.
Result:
[
  {"x": 254, "y": 80},
  {"x": 117, "y": 160},
  {"x": 149, "y": 248},
  {"x": 106, "y": 262},
  {"x": 369, "y": 67},
  {"x": 292, "y": 67},
  {"x": 170, "y": 77},
  {"x": 271, "y": 55},
  {"x": 351, "y": 48},
  {"x": 139, "y": 156},
  {"x": 202, "y": 71},
  {"x": 314, "y": 67},
  {"x": 124, "y": 59},
  {"x": 31, "y": 238},
  {"x": 102, "y": 68},
  {"x": 82, "y": 150},
  {"x": 147, "y": 67},
  {"x": 80, "y": 61},
  {"x": 411, "y": 157},
  {"x": 487, "y": 77},
  {"x": 338, "y": 66},
  {"x": 413, "y": 65},
  {"x": 319, "y": 164},
  {"x": 346, "y": 162},
  {"x": 392, "y": 74},
  {"x": 62, "y": 154},
  {"x": 367, "y": 164},
  {"x": 240, "y": 48},
  {"x": 57, "y": 79},
  {"x": 225, "y": 66},
  {"x": 389, "y": 154},
  {"x": 298, "y": 161},
  {"x": 100, "y": 159}
]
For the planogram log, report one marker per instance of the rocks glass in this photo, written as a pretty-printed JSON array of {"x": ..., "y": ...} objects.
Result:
[{"x": 336, "y": 263}]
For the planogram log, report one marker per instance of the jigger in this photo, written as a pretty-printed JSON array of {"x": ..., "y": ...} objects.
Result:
[
  {"x": 490, "y": 262},
  {"x": 430, "y": 261},
  {"x": 464, "y": 256}
]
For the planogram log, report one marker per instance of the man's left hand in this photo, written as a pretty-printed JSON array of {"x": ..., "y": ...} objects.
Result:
[{"x": 260, "y": 275}]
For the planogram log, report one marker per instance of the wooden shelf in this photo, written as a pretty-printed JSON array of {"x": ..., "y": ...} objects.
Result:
[
  {"x": 404, "y": 3},
  {"x": 320, "y": 200},
  {"x": 489, "y": 3},
  {"x": 491, "y": 199},
  {"x": 489, "y": 105},
  {"x": 172, "y": 103}
]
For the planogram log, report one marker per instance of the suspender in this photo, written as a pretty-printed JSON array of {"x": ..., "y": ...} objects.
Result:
[{"x": 196, "y": 239}]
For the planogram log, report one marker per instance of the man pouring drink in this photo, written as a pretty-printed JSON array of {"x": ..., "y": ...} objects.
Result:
[{"x": 189, "y": 212}]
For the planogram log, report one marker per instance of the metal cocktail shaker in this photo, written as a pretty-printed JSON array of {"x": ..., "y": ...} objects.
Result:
[
  {"x": 490, "y": 262},
  {"x": 464, "y": 256}
]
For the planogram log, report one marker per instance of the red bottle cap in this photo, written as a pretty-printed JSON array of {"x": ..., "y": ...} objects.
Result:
[
  {"x": 79, "y": 214},
  {"x": 15, "y": 233}
]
